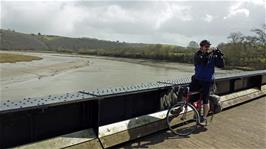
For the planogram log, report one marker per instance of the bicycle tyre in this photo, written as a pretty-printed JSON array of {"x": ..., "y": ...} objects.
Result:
[{"x": 178, "y": 125}]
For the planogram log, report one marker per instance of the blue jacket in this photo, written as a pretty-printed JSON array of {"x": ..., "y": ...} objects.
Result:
[{"x": 205, "y": 64}]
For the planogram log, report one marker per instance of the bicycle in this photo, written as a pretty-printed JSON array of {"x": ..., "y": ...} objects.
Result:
[{"x": 183, "y": 118}]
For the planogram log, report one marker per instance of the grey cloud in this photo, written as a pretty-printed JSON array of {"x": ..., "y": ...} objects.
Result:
[{"x": 152, "y": 22}]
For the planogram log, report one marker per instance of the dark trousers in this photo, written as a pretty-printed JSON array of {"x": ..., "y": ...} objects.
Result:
[{"x": 203, "y": 86}]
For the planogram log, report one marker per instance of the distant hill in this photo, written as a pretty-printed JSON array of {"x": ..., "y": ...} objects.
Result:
[
  {"x": 247, "y": 54},
  {"x": 11, "y": 40}
]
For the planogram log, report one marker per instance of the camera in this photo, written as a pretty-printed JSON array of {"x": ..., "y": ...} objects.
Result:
[{"x": 218, "y": 52}]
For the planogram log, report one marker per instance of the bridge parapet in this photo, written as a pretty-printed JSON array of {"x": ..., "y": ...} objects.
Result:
[{"x": 33, "y": 119}]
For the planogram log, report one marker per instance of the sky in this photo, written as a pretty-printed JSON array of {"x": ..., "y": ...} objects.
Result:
[{"x": 165, "y": 22}]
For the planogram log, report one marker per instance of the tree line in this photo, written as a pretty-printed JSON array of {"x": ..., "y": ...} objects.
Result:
[
  {"x": 247, "y": 52},
  {"x": 241, "y": 51}
]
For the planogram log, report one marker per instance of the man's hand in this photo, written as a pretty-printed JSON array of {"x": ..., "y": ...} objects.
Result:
[
  {"x": 217, "y": 53},
  {"x": 218, "y": 57}
]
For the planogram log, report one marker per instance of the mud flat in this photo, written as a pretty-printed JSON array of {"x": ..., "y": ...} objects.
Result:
[{"x": 62, "y": 73}]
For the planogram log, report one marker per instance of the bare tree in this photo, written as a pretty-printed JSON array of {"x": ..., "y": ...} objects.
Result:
[
  {"x": 236, "y": 37},
  {"x": 249, "y": 40},
  {"x": 260, "y": 35}
]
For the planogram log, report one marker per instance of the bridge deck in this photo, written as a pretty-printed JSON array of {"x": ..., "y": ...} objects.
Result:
[{"x": 239, "y": 127}]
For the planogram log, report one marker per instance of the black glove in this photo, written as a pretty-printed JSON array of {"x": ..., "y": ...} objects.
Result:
[{"x": 218, "y": 53}]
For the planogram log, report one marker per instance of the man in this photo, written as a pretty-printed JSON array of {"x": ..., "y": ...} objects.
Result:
[{"x": 203, "y": 79}]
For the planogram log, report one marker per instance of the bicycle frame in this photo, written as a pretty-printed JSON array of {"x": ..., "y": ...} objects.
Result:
[{"x": 197, "y": 104}]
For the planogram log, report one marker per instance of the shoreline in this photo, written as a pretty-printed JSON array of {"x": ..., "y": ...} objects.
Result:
[{"x": 142, "y": 61}]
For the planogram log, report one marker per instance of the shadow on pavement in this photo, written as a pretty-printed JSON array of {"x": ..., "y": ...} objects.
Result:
[{"x": 155, "y": 138}]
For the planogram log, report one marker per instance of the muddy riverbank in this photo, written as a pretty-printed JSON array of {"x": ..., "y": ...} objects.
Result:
[{"x": 61, "y": 73}]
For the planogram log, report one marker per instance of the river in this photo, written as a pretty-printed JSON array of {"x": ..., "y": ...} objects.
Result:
[{"x": 62, "y": 73}]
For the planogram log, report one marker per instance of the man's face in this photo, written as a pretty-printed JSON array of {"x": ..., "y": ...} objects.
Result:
[{"x": 205, "y": 48}]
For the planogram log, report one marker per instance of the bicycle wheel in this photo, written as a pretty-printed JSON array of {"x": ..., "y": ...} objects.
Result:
[{"x": 182, "y": 119}]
